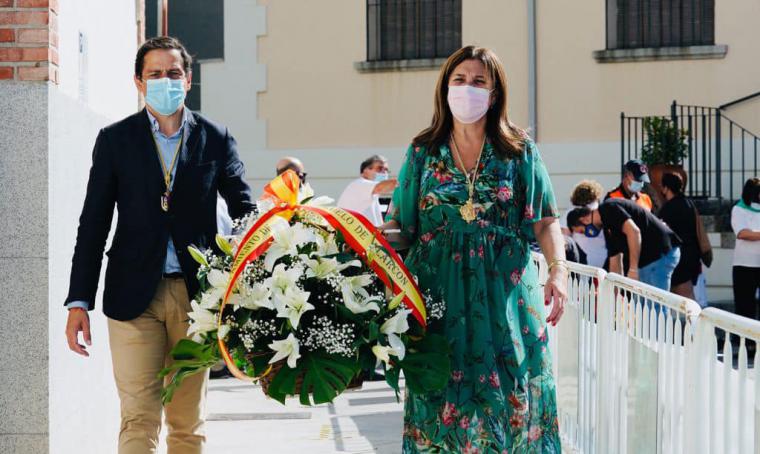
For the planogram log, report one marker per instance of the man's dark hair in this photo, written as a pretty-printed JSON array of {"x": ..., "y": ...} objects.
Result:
[
  {"x": 162, "y": 42},
  {"x": 575, "y": 215},
  {"x": 371, "y": 160},
  {"x": 751, "y": 191},
  {"x": 674, "y": 182}
]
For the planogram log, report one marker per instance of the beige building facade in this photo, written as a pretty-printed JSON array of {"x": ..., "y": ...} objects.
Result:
[{"x": 316, "y": 96}]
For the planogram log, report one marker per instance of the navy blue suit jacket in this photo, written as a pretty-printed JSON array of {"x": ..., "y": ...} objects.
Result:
[{"x": 126, "y": 173}]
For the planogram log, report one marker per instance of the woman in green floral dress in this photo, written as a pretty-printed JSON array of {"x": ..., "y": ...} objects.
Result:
[{"x": 473, "y": 192}]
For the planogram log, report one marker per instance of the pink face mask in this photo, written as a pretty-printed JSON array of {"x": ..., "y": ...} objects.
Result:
[{"x": 468, "y": 104}]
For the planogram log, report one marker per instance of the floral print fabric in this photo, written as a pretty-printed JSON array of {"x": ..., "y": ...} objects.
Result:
[{"x": 501, "y": 394}]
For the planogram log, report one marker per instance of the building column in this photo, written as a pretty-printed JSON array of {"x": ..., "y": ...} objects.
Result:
[{"x": 28, "y": 65}]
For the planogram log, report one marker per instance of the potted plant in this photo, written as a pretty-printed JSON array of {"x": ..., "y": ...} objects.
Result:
[{"x": 664, "y": 150}]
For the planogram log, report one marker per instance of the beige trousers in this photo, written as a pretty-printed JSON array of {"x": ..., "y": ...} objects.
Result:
[{"x": 140, "y": 349}]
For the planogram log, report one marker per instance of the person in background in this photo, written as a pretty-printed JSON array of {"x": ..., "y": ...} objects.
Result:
[
  {"x": 363, "y": 194},
  {"x": 680, "y": 214},
  {"x": 587, "y": 193},
  {"x": 291, "y": 163},
  {"x": 630, "y": 230},
  {"x": 635, "y": 174},
  {"x": 745, "y": 221}
]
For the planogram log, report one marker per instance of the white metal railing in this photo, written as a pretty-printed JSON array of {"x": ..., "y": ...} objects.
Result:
[
  {"x": 639, "y": 369},
  {"x": 726, "y": 415}
]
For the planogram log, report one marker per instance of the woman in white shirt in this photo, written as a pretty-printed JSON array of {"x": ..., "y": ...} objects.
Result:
[
  {"x": 587, "y": 193},
  {"x": 745, "y": 221}
]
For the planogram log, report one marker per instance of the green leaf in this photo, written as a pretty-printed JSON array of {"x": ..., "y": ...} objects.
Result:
[
  {"x": 223, "y": 244},
  {"x": 324, "y": 377},
  {"x": 189, "y": 358},
  {"x": 197, "y": 255},
  {"x": 396, "y": 301},
  {"x": 391, "y": 377},
  {"x": 427, "y": 364}
]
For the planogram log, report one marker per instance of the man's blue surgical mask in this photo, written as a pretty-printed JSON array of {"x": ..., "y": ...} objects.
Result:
[
  {"x": 165, "y": 95},
  {"x": 636, "y": 186},
  {"x": 380, "y": 177},
  {"x": 591, "y": 231}
]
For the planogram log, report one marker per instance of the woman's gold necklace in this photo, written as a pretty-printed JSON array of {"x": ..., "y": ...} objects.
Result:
[{"x": 467, "y": 211}]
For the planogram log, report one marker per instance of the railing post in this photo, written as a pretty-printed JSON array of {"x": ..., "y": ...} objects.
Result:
[
  {"x": 673, "y": 114},
  {"x": 718, "y": 168},
  {"x": 622, "y": 143}
]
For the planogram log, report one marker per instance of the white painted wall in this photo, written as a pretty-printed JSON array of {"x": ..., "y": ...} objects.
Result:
[
  {"x": 111, "y": 33},
  {"x": 229, "y": 88},
  {"x": 84, "y": 408},
  {"x": 83, "y": 404}
]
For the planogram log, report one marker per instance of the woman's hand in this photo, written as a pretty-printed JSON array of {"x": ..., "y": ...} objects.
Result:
[{"x": 555, "y": 291}]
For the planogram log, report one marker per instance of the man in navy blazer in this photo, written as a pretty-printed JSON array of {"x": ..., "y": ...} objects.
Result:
[{"x": 162, "y": 169}]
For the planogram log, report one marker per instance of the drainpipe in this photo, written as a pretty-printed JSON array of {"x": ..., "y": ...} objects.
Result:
[{"x": 532, "y": 70}]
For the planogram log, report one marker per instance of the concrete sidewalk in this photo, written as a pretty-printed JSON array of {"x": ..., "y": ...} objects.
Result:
[{"x": 242, "y": 420}]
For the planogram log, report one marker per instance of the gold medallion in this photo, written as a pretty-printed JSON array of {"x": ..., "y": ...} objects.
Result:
[
  {"x": 467, "y": 211},
  {"x": 165, "y": 201}
]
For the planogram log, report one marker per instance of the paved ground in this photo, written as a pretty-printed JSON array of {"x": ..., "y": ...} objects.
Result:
[{"x": 241, "y": 420}]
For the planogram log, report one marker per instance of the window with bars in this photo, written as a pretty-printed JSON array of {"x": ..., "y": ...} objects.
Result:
[
  {"x": 635, "y": 24},
  {"x": 413, "y": 29}
]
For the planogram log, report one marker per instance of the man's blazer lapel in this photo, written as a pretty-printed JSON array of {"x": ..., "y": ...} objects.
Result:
[
  {"x": 146, "y": 145},
  {"x": 190, "y": 137}
]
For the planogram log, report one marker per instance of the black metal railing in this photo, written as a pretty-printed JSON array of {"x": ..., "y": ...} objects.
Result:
[{"x": 721, "y": 154}]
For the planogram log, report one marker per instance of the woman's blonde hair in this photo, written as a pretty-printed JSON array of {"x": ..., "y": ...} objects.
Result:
[{"x": 586, "y": 192}]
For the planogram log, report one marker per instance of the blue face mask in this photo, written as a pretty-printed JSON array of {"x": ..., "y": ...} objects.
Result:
[
  {"x": 591, "y": 231},
  {"x": 165, "y": 95},
  {"x": 636, "y": 186},
  {"x": 380, "y": 177}
]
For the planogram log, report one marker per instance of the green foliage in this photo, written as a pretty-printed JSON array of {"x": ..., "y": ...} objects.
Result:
[
  {"x": 197, "y": 255},
  {"x": 665, "y": 143},
  {"x": 189, "y": 358},
  {"x": 324, "y": 377},
  {"x": 223, "y": 245},
  {"x": 426, "y": 365}
]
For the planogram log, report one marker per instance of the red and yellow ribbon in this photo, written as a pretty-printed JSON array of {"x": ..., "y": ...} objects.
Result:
[{"x": 358, "y": 232}]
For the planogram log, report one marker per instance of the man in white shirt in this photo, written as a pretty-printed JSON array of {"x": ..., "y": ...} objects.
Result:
[{"x": 363, "y": 194}]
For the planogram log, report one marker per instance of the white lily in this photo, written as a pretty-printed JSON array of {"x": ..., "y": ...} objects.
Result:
[
  {"x": 326, "y": 246},
  {"x": 292, "y": 304},
  {"x": 218, "y": 278},
  {"x": 210, "y": 298},
  {"x": 396, "y": 348},
  {"x": 396, "y": 324},
  {"x": 256, "y": 297},
  {"x": 224, "y": 330},
  {"x": 286, "y": 348},
  {"x": 202, "y": 321},
  {"x": 355, "y": 296},
  {"x": 287, "y": 238},
  {"x": 359, "y": 302},
  {"x": 322, "y": 267},
  {"x": 283, "y": 278}
]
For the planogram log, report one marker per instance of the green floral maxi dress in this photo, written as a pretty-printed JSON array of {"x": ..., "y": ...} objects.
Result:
[{"x": 501, "y": 394}]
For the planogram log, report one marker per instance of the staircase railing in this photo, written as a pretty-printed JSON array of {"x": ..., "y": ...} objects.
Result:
[{"x": 721, "y": 153}]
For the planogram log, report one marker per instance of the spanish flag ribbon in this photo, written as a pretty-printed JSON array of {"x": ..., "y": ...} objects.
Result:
[{"x": 359, "y": 233}]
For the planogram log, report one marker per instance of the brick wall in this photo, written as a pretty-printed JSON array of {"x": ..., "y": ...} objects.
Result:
[{"x": 29, "y": 40}]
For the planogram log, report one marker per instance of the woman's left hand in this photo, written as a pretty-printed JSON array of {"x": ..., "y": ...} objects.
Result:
[{"x": 555, "y": 291}]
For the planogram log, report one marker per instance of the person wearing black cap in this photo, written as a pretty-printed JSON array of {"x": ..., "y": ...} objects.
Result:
[
  {"x": 635, "y": 174},
  {"x": 651, "y": 247}
]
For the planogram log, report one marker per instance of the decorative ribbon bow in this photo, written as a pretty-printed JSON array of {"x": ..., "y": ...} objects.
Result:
[{"x": 358, "y": 232}]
